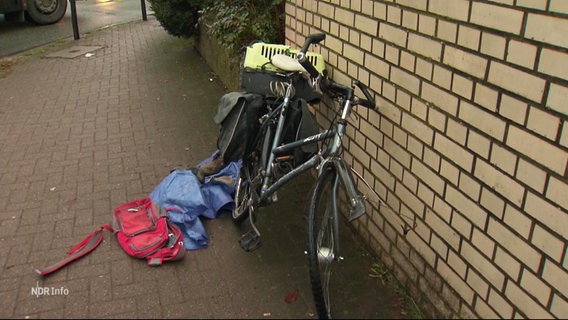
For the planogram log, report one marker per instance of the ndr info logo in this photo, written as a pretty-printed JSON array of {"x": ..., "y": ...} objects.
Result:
[{"x": 49, "y": 291}]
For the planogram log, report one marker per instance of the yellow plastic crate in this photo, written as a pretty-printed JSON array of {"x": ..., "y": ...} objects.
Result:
[
  {"x": 258, "y": 55},
  {"x": 257, "y": 72}
]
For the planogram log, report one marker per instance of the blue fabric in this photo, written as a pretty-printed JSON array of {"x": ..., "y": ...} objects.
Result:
[
  {"x": 218, "y": 195},
  {"x": 186, "y": 200}
]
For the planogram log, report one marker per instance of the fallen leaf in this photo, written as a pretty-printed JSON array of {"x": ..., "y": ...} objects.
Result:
[{"x": 291, "y": 297}]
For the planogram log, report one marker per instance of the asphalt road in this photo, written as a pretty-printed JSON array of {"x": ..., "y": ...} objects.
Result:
[{"x": 18, "y": 36}]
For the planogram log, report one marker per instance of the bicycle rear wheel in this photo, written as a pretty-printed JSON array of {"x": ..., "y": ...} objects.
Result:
[
  {"x": 243, "y": 193},
  {"x": 321, "y": 240},
  {"x": 248, "y": 174}
]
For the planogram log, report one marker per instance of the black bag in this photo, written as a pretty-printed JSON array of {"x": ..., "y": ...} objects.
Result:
[
  {"x": 238, "y": 115},
  {"x": 299, "y": 124}
]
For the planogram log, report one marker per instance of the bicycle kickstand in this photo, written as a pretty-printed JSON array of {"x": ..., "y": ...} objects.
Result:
[{"x": 250, "y": 240}]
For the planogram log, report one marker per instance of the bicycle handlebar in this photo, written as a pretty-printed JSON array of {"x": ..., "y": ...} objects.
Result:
[
  {"x": 369, "y": 102},
  {"x": 327, "y": 84},
  {"x": 310, "y": 39}
]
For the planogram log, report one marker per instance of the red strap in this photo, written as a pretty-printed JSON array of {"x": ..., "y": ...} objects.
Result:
[
  {"x": 83, "y": 242},
  {"x": 150, "y": 207},
  {"x": 82, "y": 248}
]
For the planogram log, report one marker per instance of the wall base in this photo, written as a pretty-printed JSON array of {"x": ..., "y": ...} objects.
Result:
[{"x": 224, "y": 65}]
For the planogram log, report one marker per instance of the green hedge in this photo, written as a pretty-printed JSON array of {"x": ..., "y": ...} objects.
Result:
[
  {"x": 178, "y": 17},
  {"x": 237, "y": 23},
  {"x": 234, "y": 23}
]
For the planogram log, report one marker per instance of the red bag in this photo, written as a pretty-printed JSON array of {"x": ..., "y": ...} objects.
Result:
[
  {"x": 139, "y": 231},
  {"x": 142, "y": 234}
]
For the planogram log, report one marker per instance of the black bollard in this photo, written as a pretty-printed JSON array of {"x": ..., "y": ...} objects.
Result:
[
  {"x": 143, "y": 5},
  {"x": 74, "y": 20}
]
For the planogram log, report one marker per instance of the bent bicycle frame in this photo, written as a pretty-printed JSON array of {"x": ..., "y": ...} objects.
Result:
[{"x": 323, "y": 160}]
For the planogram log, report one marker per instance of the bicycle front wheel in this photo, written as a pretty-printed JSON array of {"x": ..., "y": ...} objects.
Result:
[{"x": 322, "y": 231}]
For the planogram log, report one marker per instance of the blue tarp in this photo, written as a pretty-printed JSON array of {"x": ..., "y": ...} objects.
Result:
[{"x": 187, "y": 201}]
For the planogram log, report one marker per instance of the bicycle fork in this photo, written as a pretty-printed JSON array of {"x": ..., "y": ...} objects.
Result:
[
  {"x": 357, "y": 208},
  {"x": 355, "y": 200}
]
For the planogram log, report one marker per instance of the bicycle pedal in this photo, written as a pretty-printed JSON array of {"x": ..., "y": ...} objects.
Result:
[{"x": 250, "y": 241}]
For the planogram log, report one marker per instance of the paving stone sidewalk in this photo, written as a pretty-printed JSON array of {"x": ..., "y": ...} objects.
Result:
[{"x": 81, "y": 135}]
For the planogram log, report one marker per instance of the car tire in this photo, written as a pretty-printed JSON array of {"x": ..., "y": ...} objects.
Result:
[
  {"x": 44, "y": 12},
  {"x": 14, "y": 16}
]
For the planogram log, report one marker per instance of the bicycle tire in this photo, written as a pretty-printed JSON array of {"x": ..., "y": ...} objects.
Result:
[
  {"x": 242, "y": 196},
  {"x": 320, "y": 242},
  {"x": 245, "y": 187}
]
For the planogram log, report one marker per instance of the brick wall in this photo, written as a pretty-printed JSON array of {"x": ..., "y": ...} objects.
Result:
[{"x": 468, "y": 149}]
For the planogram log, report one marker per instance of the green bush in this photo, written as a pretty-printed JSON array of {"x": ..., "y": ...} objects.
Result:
[
  {"x": 236, "y": 23},
  {"x": 178, "y": 17}
]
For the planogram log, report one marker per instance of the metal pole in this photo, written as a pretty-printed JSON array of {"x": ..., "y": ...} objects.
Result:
[
  {"x": 74, "y": 20},
  {"x": 143, "y": 5}
]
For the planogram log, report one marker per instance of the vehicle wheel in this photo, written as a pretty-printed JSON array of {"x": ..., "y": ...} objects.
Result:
[
  {"x": 321, "y": 242},
  {"x": 249, "y": 170},
  {"x": 13, "y": 16},
  {"x": 44, "y": 12},
  {"x": 242, "y": 197}
]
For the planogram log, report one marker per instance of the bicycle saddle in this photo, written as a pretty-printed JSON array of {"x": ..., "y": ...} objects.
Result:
[{"x": 287, "y": 63}]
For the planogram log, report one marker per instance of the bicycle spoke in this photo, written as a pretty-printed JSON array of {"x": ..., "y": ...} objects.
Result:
[
  {"x": 321, "y": 243},
  {"x": 243, "y": 194}
]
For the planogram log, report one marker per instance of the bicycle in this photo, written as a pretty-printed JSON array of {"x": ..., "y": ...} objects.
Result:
[{"x": 258, "y": 181}]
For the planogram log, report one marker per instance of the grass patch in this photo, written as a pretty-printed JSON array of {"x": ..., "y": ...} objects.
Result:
[
  {"x": 380, "y": 271},
  {"x": 6, "y": 65}
]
